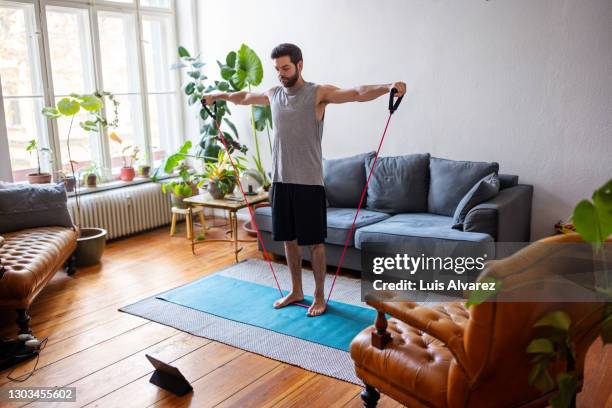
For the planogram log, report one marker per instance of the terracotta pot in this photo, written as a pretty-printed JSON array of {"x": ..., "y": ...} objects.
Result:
[
  {"x": 39, "y": 178},
  {"x": 127, "y": 174},
  {"x": 247, "y": 225}
]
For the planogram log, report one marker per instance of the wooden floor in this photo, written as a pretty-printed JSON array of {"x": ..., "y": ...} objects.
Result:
[{"x": 101, "y": 351}]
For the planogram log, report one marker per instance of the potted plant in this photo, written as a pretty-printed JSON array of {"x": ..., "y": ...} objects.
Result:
[
  {"x": 92, "y": 240},
  {"x": 129, "y": 154},
  {"x": 90, "y": 175},
  {"x": 38, "y": 177},
  {"x": 144, "y": 170},
  {"x": 221, "y": 176},
  {"x": 69, "y": 181}
]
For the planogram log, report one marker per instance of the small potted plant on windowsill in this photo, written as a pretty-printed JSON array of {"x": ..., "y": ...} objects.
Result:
[
  {"x": 38, "y": 177},
  {"x": 91, "y": 175},
  {"x": 127, "y": 172}
]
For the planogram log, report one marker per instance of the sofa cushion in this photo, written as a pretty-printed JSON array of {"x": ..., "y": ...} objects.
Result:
[
  {"x": 507, "y": 180},
  {"x": 450, "y": 180},
  {"x": 344, "y": 180},
  {"x": 339, "y": 222},
  {"x": 484, "y": 189},
  {"x": 28, "y": 206},
  {"x": 398, "y": 184},
  {"x": 422, "y": 228}
]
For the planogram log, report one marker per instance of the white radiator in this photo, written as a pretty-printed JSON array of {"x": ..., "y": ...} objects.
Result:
[{"x": 124, "y": 211}]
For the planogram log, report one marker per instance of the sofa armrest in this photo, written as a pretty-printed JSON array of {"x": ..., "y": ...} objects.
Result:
[
  {"x": 435, "y": 321},
  {"x": 506, "y": 217}
]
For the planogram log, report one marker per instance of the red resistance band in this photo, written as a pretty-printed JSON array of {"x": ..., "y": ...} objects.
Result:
[{"x": 392, "y": 108}]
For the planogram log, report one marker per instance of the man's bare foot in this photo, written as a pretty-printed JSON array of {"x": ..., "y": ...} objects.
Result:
[
  {"x": 287, "y": 300},
  {"x": 318, "y": 307}
]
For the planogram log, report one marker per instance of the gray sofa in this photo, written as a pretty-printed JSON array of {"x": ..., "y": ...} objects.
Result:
[{"x": 415, "y": 199}]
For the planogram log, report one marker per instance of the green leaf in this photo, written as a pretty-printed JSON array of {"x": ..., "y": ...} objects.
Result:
[
  {"x": 193, "y": 98},
  {"x": 51, "y": 113},
  {"x": 223, "y": 86},
  {"x": 230, "y": 59},
  {"x": 262, "y": 116},
  {"x": 203, "y": 114},
  {"x": 238, "y": 80},
  {"x": 602, "y": 198},
  {"x": 182, "y": 51},
  {"x": 540, "y": 378},
  {"x": 476, "y": 297},
  {"x": 558, "y": 319},
  {"x": 198, "y": 64},
  {"x": 31, "y": 145},
  {"x": 249, "y": 62},
  {"x": 227, "y": 72},
  {"x": 586, "y": 221},
  {"x": 232, "y": 127},
  {"x": 200, "y": 88},
  {"x": 194, "y": 74},
  {"x": 68, "y": 107},
  {"x": 91, "y": 103},
  {"x": 189, "y": 88},
  {"x": 540, "y": 345},
  {"x": 178, "y": 65},
  {"x": 185, "y": 147},
  {"x": 567, "y": 389}
]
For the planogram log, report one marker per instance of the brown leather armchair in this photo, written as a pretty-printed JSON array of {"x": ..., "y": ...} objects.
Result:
[{"x": 451, "y": 356}]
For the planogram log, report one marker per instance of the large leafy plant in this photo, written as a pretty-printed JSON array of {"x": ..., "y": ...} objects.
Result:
[
  {"x": 95, "y": 121},
  {"x": 196, "y": 87},
  {"x": 243, "y": 69}
]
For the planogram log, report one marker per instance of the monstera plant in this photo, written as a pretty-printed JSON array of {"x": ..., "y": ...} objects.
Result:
[{"x": 243, "y": 69}]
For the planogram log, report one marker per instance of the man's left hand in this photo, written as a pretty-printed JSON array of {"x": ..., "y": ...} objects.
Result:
[{"x": 401, "y": 88}]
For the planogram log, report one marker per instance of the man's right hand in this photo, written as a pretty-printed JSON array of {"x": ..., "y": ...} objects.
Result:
[{"x": 208, "y": 99}]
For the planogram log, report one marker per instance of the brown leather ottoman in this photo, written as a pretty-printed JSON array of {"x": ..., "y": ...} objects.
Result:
[{"x": 30, "y": 258}]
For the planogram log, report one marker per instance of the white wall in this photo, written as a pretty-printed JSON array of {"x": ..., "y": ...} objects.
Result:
[{"x": 525, "y": 83}]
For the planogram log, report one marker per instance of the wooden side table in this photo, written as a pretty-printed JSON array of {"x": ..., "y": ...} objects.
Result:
[{"x": 232, "y": 206}]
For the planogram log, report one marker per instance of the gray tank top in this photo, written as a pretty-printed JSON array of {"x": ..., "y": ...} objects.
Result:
[{"x": 296, "y": 153}]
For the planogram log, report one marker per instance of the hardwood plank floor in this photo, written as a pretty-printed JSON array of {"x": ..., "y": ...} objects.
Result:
[{"x": 101, "y": 351}]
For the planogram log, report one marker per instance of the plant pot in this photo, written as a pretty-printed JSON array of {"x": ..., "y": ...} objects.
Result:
[
  {"x": 69, "y": 183},
  {"x": 90, "y": 246},
  {"x": 177, "y": 201},
  {"x": 91, "y": 180},
  {"x": 127, "y": 173},
  {"x": 247, "y": 225},
  {"x": 39, "y": 178},
  {"x": 215, "y": 191},
  {"x": 143, "y": 171}
]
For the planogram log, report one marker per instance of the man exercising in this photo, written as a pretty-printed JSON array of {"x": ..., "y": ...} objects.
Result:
[{"x": 299, "y": 213}]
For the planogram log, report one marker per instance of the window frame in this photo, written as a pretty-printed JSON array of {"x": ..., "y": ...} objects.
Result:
[{"x": 52, "y": 136}]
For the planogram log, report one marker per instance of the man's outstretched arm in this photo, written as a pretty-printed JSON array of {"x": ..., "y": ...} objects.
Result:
[
  {"x": 363, "y": 93},
  {"x": 239, "y": 98}
]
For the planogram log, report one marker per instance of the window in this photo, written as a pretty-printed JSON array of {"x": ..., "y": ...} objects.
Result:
[
  {"x": 22, "y": 90},
  {"x": 50, "y": 49},
  {"x": 71, "y": 72}
]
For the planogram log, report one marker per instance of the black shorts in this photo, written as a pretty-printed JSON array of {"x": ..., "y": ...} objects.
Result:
[{"x": 299, "y": 212}]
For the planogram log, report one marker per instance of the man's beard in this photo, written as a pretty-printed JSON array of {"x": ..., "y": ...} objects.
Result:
[{"x": 289, "y": 82}]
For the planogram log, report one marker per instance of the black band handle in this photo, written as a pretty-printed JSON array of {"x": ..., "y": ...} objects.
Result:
[
  {"x": 213, "y": 115},
  {"x": 392, "y": 106}
]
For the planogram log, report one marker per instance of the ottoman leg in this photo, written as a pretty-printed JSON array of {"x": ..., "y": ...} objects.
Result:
[
  {"x": 23, "y": 321},
  {"x": 370, "y": 396}
]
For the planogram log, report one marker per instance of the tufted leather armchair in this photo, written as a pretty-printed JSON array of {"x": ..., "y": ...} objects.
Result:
[
  {"x": 451, "y": 356},
  {"x": 29, "y": 258}
]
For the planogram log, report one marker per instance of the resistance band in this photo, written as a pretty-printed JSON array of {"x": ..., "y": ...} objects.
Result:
[{"x": 392, "y": 108}]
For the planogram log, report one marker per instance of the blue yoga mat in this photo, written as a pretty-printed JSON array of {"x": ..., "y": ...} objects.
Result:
[{"x": 251, "y": 303}]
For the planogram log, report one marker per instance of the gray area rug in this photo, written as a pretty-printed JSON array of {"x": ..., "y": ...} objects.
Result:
[{"x": 310, "y": 356}]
